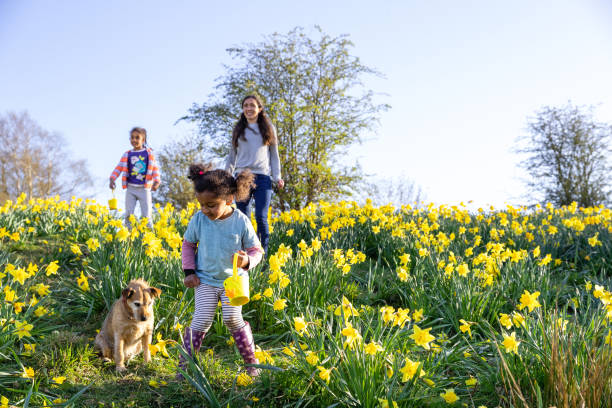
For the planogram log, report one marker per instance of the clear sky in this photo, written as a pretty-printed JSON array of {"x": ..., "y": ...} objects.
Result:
[{"x": 462, "y": 77}]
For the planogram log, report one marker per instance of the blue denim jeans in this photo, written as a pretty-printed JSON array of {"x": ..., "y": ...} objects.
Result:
[{"x": 262, "y": 193}]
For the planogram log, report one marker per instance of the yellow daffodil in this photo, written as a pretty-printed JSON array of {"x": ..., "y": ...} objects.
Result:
[
  {"x": 529, "y": 300},
  {"x": 387, "y": 313},
  {"x": 346, "y": 308},
  {"x": 23, "y": 328},
  {"x": 28, "y": 372},
  {"x": 504, "y": 320},
  {"x": 41, "y": 289},
  {"x": 324, "y": 373},
  {"x": 289, "y": 351},
  {"x": 510, "y": 343},
  {"x": 83, "y": 282},
  {"x": 52, "y": 268},
  {"x": 299, "y": 324},
  {"x": 372, "y": 348},
  {"x": 593, "y": 241},
  {"x": 29, "y": 348},
  {"x": 422, "y": 337},
  {"x": 410, "y": 369},
  {"x": 93, "y": 244},
  {"x": 263, "y": 356},
  {"x": 19, "y": 275},
  {"x": 312, "y": 358},
  {"x": 518, "y": 319},
  {"x": 40, "y": 311},
  {"x": 352, "y": 336},
  {"x": 244, "y": 380},
  {"x": 59, "y": 380},
  {"x": 160, "y": 346},
  {"x": 280, "y": 304},
  {"x": 384, "y": 403},
  {"x": 417, "y": 315},
  {"x": 76, "y": 249},
  {"x": 18, "y": 306},
  {"x": 9, "y": 294},
  {"x": 465, "y": 327},
  {"x": 449, "y": 396}
]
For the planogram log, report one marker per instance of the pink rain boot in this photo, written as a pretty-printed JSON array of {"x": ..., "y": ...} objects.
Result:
[
  {"x": 246, "y": 346},
  {"x": 190, "y": 337}
]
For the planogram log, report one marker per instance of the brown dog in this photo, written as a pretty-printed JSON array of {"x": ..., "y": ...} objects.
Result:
[{"x": 128, "y": 328}]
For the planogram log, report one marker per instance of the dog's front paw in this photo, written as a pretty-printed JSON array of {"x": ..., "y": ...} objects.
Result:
[
  {"x": 121, "y": 369},
  {"x": 106, "y": 360}
]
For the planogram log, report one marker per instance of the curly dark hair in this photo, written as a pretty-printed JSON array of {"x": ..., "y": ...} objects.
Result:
[
  {"x": 220, "y": 182},
  {"x": 263, "y": 122}
]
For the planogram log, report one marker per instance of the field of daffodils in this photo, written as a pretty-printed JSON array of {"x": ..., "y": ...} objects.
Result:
[{"x": 356, "y": 306}]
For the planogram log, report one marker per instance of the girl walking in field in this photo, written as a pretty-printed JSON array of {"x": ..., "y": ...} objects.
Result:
[
  {"x": 213, "y": 236},
  {"x": 255, "y": 147},
  {"x": 139, "y": 175}
]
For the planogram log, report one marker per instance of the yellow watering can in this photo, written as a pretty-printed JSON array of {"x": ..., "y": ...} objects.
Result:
[
  {"x": 236, "y": 286},
  {"x": 112, "y": 203}
]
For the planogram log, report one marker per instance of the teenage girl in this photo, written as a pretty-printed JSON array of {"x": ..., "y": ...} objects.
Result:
[
  {"x": 213, "y": 236},
  {"x": 255, "y": 147},
  {"x": 139, "y": 175}
]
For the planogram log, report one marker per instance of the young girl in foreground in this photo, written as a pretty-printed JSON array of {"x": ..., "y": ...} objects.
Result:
[{"x": 213, "y": 236}]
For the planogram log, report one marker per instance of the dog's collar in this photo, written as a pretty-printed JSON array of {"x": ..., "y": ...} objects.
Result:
[{"x": 128, "y": 309}]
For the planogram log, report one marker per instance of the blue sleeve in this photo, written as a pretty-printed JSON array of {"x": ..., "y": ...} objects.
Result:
[
  {"x": 249, "y": 237},
  {"x": 191, "y": 234}
]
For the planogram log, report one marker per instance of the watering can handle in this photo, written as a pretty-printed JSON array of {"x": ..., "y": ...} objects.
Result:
[{"x": 235, "y": 265}]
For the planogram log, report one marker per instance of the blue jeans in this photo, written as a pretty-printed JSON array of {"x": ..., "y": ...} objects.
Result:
[{"x": 262, "y": 193}]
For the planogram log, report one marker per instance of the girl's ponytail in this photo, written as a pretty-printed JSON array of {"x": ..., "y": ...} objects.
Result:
[{"x": 245, "y": 181}]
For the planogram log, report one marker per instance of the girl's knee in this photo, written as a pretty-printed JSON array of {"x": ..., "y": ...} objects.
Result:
[
  {"x": 234, "y": 323},
  {"x": 201, "y": 325}
]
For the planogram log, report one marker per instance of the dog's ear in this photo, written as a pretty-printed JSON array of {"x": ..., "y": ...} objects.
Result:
[
  {"x": 155, "y": 292},
  {"x": 127, "y": 293}
]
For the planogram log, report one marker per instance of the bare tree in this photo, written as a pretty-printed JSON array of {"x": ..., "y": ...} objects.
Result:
[
  {"x": 398, "y": 191},
  {"x": 36, "y": 162},
  {"x": 174, "y": 158},
  {"x": 567, "y": 156}
]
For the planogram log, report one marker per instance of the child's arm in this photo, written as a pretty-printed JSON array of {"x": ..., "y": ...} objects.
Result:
[
  {"x": 120, "y": 168},
  {"x": 249, "y": 259},
  {"x": 188, "y": 260},
  {"x": 155, "y": 174}
]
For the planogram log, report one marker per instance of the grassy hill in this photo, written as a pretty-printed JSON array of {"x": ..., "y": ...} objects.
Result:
[{"x": 357, "y": 306}]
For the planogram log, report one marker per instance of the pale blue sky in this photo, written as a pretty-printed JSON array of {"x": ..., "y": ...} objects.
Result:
[{"x": 462, "y": 77}]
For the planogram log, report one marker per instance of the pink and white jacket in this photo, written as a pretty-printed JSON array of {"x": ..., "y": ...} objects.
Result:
[{"x": 152, "y": 170}]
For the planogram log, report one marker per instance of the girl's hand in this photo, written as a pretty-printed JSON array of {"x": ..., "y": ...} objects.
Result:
[
  {"x": 281, "y": 184},
  {"x": 111, "y": 185},
  {"x": 155, "y": 186},
  {"x": 243, "y": 259},
  {"x": 191, "y": 281}
]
